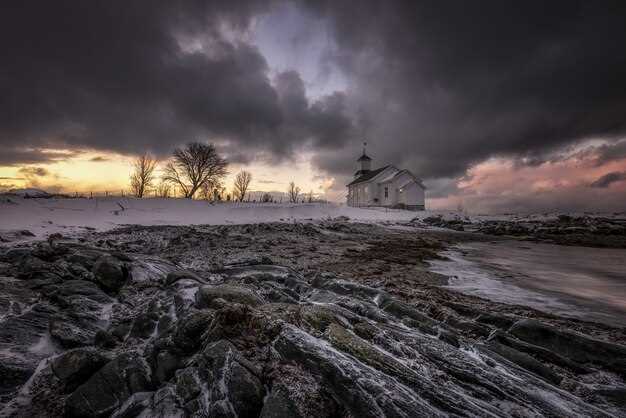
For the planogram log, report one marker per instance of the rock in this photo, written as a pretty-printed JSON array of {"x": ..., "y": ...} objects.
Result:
[
  {"x": 14, "y": 374},
  {"x": 366, "y": 330},
  {"x": 613, "y": 394},
  {"x": 74, "y": 367},
  {"x": 110, "y": 273},
  {"x": 71, "y": 335},
  {"x": 524, "y": 361},
  {"x": 278, "y": 405},
  {"x": 85, "y": 257},
  {"x": 14, "y": 255},
  {"x": 237, "y": 391},
  {"x": 188, "y": 384},
  {"x": 449, "y": 337},
  {"x": 164, "y": 404},
  {"x": 190, "y": 329},
  {"x": 416, "y": 319},
  {"x": 78, "y": 288},
  {"x": 349, "y": 343},
  {"x": 104, "y": 339},
  {"x": 497, "y": 320},
  {"x": 470, "y": 327},
  {"x": 375, "y": 395},
  {"x": 319, "y": 317},
  {"x": 177, "y": 275},
  {"x": 207, "y": 296},
  {"x": 296, "y": 393},
  {"x": 538, "y": 352},
  {"x": 167, "y": 362},
  {"x": 135, "y": 405},
  {"x": 571, "y": 345},
  {"x": 110, "y": 387},
  {"x": 144, "y": 325}
]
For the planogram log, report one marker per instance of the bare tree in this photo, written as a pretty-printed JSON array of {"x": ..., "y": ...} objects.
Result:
[
  {"x": 240, "y": 187},
  {"x": 143, "y": 174},
  {"x": 164, "y": 189},
  {"x": 293, "y": 191},
  {"x": 310, "y": 197},
  {"x": 266, "y": 198},
  {"x": 210, "y": 189},
  {"x": 195, "y": 165}
]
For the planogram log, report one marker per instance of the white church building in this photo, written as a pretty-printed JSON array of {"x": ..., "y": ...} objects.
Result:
[{"x": 387, "y": 186}]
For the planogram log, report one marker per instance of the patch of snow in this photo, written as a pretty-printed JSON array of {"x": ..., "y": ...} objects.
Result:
[
  {"x": 72, "y": 216},
  {"x": 28, "y": 192}
]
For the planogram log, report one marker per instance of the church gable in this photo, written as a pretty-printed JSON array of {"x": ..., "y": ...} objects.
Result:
[{"x": 386, "y": 186}]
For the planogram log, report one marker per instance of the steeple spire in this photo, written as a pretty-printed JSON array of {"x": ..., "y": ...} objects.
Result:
[{"x": 365, "y": 161}]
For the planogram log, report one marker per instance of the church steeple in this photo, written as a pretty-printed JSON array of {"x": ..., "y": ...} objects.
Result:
[{"x": 366, "y": 162}]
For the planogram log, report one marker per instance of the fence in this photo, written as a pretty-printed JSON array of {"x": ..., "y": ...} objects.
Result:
[{"x": 251, "y": 197}]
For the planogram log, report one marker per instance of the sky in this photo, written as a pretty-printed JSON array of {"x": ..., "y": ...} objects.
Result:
[{"x": 499, "y": 106}]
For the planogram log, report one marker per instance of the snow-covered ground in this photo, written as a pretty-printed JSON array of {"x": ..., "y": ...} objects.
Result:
[{"x": 46, "y": 216}]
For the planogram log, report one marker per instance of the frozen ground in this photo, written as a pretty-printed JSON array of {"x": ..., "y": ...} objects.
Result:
[
  {"x": 43, "y": 217},
  {"x": 579, "y": 282},
  {"x": 321, "y": 318}
]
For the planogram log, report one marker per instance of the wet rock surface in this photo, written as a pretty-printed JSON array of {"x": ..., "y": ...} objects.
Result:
[
  {"x": 588, "y": 231},
  {"x": 328, "y": 319}
]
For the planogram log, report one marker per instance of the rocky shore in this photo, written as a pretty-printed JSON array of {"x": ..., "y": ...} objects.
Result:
[
  {"x": 323, "y": 319},
  {"x": 587, "y": 231}
]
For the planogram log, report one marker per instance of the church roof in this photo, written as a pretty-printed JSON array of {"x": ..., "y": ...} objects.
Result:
[
  {"x": 367, "y": 175},
  {"x": 364, "y": 157}
]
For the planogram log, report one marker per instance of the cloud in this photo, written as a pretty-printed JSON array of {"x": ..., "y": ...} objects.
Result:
[
  {"x": 98, "y": 159},
  {"x": 611, "y": 152},
  {"x": 33, "y": 172},
  {"x": 608, "y": 179},
  {"x": 149, "y": 76},
  {"x": 440, "y": 86},
  {"x": 435, "y": 87}
]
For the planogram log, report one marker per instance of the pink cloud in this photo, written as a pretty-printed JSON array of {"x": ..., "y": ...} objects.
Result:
[{"x": 504, "y": 185}]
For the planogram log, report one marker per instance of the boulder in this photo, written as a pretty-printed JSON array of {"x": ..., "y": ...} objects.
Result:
[
  {"x": 190, "y": 329},
  {"x": 376, "y": 394},
  {"x": 110, "y": 273},
  {"x": 497, "y": 320},
  {"x": 164, "y": 404},
  {"x": 188, "y": 384},
  {"x": 237, "y": 390},
  {"x": 279, "y": 405},
  {"x": 135, "y": 405},
  {"x": 523, "y": 360},
  {"x": 82, "y": 288},
  {"x": 74, "y": 367},
  {"x": 576, "y": 347},
  {"x": 166, "y": 364},
  {"x": 177, "y": 275},
  {"x": 85, "y": 257},
  {"x": 207, "y": 296},
  {"x": 110, "y": 387},
  {"x": 71, "y": 335},
  {"x": 144, "y": 325}
]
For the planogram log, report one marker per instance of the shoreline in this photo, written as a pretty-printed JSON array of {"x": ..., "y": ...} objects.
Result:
[{"x": 367, "y": 284}]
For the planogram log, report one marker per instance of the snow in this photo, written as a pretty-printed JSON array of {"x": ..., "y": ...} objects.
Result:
[
  {"x": 67, "y": 216},
  {"x": 30, "y": 192}
]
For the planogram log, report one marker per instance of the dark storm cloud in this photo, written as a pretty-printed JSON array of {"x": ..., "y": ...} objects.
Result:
[
  {"x": 444, "y": 84},
  {"x": 130, "y": 76},
  {"x": 15, "y": 155},
  {"x": 608, "y": 179},
  {"x": 611, "y": 152}
]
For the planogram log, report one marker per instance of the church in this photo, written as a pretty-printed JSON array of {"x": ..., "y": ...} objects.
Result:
[{"x": 387, "y": 186}]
